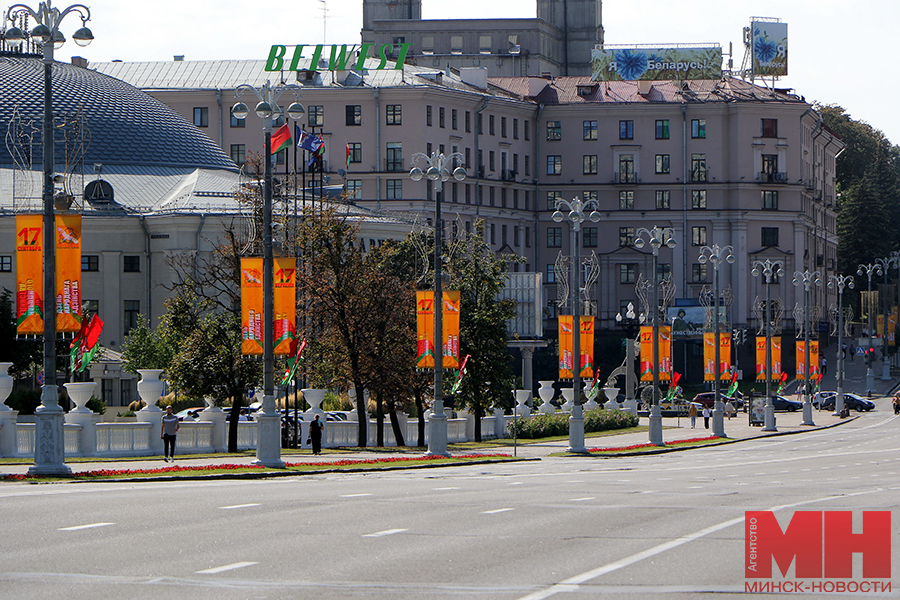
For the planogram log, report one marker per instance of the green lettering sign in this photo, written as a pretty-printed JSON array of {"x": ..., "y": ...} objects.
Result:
[{"x": 340, "y": 57}]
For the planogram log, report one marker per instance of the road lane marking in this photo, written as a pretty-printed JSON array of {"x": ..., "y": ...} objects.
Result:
[
  {"x": 580, "y": 499},
  {"x": 222, "y": 569},
  {"x": 90, "y": 526},
  {"x": 494, "y": 512},
  {"x": 443, "y": 489},
  {"x": 517, "y": 483},
  {"x": 385, "y": 532},
  {"x": 354, "y": 495},
  {"x": 237, "y": 506}
]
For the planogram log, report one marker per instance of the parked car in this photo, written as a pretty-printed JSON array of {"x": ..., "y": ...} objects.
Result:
[
  {"x": 189, "y": 413},
  {"x": 707, "y": 399},
  {"x": 823, "y": 397},
  {"x": 851, "y": 401},
  {"x": 787, "y": 404}
]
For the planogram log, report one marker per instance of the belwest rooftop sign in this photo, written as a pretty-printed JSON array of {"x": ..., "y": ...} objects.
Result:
[{"x": 340, "y": 57}]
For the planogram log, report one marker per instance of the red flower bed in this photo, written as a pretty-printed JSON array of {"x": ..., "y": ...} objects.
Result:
[
  {"x": 649, "y": 445},
  {"x": 231, "y": 467}
]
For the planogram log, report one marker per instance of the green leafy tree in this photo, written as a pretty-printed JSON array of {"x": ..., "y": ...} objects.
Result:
[
  {"x": 23, "y": 354},
  {"x": 145, "y": 348}
]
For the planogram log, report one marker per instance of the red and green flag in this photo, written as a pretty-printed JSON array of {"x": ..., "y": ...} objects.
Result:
[
  {"x": 734, "y": 384},
  {"x": 86, "y": 344},
  {"x": 296, "y": 352},
  {"x": 281, "y": 139},
  {"x": 782, "y": 383},
  {"x": 673, "y": 386},
  {"x": 460, "y": 374},
  {"x": 348, "y": 156}
]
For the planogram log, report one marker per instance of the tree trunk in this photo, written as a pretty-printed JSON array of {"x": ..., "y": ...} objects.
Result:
[
  {"x": 379, "y": 420},
  {"x": 420, "y": 409},
  {"x": 395, "y": 425},
  {"x": 363, "y": 415},
  {"x": 479, "y": 413},
  {"x": 233, "y": 426}
]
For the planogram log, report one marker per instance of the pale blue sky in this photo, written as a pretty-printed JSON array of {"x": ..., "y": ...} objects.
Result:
[{"x": 839, "y": 52}]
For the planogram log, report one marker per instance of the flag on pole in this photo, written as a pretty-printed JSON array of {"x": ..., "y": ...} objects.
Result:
[
  {"x": 296, "y": 352},
  {"x": 734, "y": 385},
  {"x": 782, "y": 383},
  {"x": 673, "y": 386},
  {"x": 86, "y": 344},
  {"x": 595, "y": 385},
  {"x": 348, "y": 156},
  {"x": 460, "y": 375},
  {"x": 319, "y": 151},
  {"x": 281, "y": 139}
]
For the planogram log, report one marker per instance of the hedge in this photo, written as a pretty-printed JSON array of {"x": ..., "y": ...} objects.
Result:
[{"x": 541, "y": 426}]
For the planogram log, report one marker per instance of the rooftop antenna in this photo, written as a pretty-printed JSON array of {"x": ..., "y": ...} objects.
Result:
[{"x": 324, "y": 19}]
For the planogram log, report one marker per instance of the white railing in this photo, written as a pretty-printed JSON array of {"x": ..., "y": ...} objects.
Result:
[{"x": 124, "y": 439}]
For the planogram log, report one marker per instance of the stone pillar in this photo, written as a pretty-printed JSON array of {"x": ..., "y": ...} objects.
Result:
[
  {"x": 218, "y": 418},
  {"x": 8, "y": 422},
  {"x": 527, "y": 362}
]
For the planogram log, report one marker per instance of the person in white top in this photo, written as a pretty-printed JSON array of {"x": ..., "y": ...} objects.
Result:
[{"x": 167, "y": 432}]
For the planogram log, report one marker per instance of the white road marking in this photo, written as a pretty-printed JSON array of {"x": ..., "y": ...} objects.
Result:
[
  {"x": 237, "y": 506},
  {"x": 231, "y": 567},
  {"x": 517, "y": 483},
  {"x": 354, "y": 495},
  {"x": 91, "y": 526},
  {"x": 579, "y": 499},
  {"x": 445, "y": 489},
  {"x": 385, "y": 532},
  {"x": 494, "y": 512}
]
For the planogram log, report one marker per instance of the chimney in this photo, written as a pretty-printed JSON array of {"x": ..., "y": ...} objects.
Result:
[
  {"x": 80, "y": 61},
  {"x": 179, "y": 58},
  {"x": 474, "y": 76}
]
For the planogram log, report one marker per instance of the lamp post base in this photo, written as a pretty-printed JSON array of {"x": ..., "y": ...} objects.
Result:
[
  {"x": 268, "y": 437},
  {"x": 718, "y": 416},
  {"x": 437, "y": 435},
  {"x": 870, "y": 379},
  {"x": 576, "y": 430},
  {"x": 808, "y": 412},
  {"x": 49, "y": 437},
  {"x": 770, "y": 417},
  {"x": 656, "y": 434},
  {"x": 885, "y": 371}
]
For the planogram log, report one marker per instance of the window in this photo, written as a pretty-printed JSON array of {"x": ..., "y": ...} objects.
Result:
[
  {"x": 468, "y": 194},
  {"x": 126, "y": 388},
  {"x": 355, "y": 151},
  {"x": 492, "y": 129},
  {"x": 456, "y": 44},
  {"x": 491, "y": 194},
  {"x": 527, "y": 231},
  {"x": 353, "y": 114},
  {"x": 527, "y": 165},
  {"x": 454, "y": 119},
  {"x": 280, "y": 156},
  {"x": 5, "y": 264},
  {"x": 491, "y": 162},
  {"x": 769, "y": 236},
  {"x": 235, "y": 122},
  {"x": 131, "y": 264},
  {"x": 554, "y": 237},
  {"x": 769, "y": 167},
  {"x": 527, "y": 130},
  {"x": 503, "y": 230},
  {"x": 698, "y": 167},
  {"x": 503, "y": 127},
  {"x": 394, "y": 160},
  {"x": 552, "y": 197},
  {"x": 698, "y": 273},
  {"x": 589, "y": 237},
  {"x": 626, "y": 200},
  {"x": 626, "y": 168},
  {"x": 663, "y": 198},
  {"x": 589, "y": 164},
  {"x": 442, "y": 122},
  {"x": 454, "y": 193},
  {"x": 590, "y": 130},
  {"x": 769, "y": 128},
  {"x": 627, "y": 273},
  {"x": 626, "y": 130},
  {"x": 90, "y": 262},
  {"x": 132, "y": 310},
  {"x": 698, "y": 128},
  {"x": 663, "y": 271},
  {"x": 493, "y": 233},
  {"x": 428, "y": 116},
  {"x": 698, "y": 199},
  {"x": 554, "y": 164},
  {"x": 354, "y": 189},
  {"x": 662, "y": 129},
  {"x": 551, "y": 273},
  {"x": 662, "y": 164},
  {"x": 394, "y": 114},
  {"x": 515, "y": 129},
  {"x": 626, "y": 236},
  {"x": 201, "y": 116},
  {"x": 468, "y": 158},
  {"x": 769, "y": 200},
  {"x": 427, "y": 44},
  {"x": 554, "y": 131},
  {"x": 516, "y": 236},
  {"x": 315, "y": 115},
  {"x": 90, "y": 307},
  {"x": 239, "y": 153},
  {"x": 394, "y": 189},
  {"x": 698, "y": 236},
  {"x": 468, "y": 122},
  {"x": 479, "y": 123},
  {"x": 484, "y": 44}
]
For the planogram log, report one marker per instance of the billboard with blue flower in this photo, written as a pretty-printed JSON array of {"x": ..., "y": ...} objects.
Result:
[
  {"x": 770, "y": 48},
  {"x": 613, "y": 63}
]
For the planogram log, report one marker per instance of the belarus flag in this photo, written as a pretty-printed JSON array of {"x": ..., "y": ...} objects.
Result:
[{"x": 281, "y": 139}]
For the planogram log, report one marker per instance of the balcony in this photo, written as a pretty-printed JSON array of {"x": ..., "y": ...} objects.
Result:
[
  {"x": 625, "y": 178},
  {"x": 773, "y": 177},
  {"x": 507, "y": 175}
]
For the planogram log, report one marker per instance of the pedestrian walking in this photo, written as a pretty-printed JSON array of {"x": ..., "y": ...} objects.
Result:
[
  {"x": 852, "y": 352},
  {"x": 167, "y": 431},
  {"x": 315, "y": 435},
  {"x": 897, "y": 403},
  {"x": 729, "y": 409},
  {"x": 706, "y": 417},
  {"x": 824, "y": 367},
  {"x": 692, "y": 413}
]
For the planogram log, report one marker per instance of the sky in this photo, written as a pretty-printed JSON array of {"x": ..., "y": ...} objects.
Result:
[{"x": 839, "y": 52}]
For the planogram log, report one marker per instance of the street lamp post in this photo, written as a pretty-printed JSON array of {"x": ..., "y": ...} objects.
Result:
[
  {"x": 716, "y": 254},
  {"x": 268, "y": 445},
  {"x": 808, "y": 280},
  {"x": 438, "y": 170},
  {"x": 576, "y": 216},
  {"x": 49, "y": 442},
  {"x": 769, "y": 269},
  {"x": 869, "y": 270},
  {"x": 840, "y": 281},
  {"x": 656, "y": 237},
  {"x": 885, "y": 264},
  {"x": 629, "y": 319}
]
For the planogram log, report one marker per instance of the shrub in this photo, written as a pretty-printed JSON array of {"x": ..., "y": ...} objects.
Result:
[
  {"x": 127, "y": 413},
  {"x": 96, "y": 405},
  {"x": 25, "y": 401},
  {"x": 540, "y": 426}
]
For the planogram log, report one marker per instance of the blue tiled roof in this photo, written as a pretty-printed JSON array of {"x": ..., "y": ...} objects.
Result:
[{"x": 125, "y": 125}]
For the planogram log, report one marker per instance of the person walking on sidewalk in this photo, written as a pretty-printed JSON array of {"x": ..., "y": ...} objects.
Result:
[
  {"x": 167, "y": 432},
  {"x": 706, "y": 417},
  {"x": 897, "y": 403},
  {"x": 824, "y": 367},
  {"x": 315, "y": 435},
  {"x": 692, "y": 413}
]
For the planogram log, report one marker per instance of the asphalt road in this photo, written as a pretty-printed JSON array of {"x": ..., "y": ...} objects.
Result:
[{"x": 572, "y": 528}]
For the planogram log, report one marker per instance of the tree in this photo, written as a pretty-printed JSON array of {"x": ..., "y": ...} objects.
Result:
[
  {"x": 23, "y": 354},
  {"x": 145, "y": 348}
]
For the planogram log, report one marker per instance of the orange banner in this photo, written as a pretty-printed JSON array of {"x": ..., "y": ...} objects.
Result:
[
  {"x": 450, "y": 329},
  {"x": 285, "y": 302},
  {"x": 776, "y": 357},
  {"x": 425, "y": 330},
  {"x": 251, "y": 306},
  {"x": 801, "y": 360},
  {"x": 709, "y": 356},
  {"x": 29, "y": 275},
  {"x": 68, "y": 273},
  {"x": 879, "y": 327},
  {"x": 892, "y": 327},
  {"x": 724, "y": 356},
  {"x": 760, "y": 358},
  {"x": 586, "y": 347},
  {"x": 665, "y": 353},
  {"x": 814, "y": 359},
  {"x": 566, "y": 347}
]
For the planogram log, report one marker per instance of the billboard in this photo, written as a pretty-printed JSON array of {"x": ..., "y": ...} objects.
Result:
[
  {"x": 769, "y": 48},
  {"x": 611, "y": 63}
]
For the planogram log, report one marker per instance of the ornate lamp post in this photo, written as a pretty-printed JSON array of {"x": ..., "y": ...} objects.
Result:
[
  {"x": 840, "y": 281},
  {"x": 656, "y": 237},
  {"x": 769, "y": 269},
  {"x": 808, "y": 280},
  {"x": 438, "y": 170},
  {"x": 49, "y": 445},
  {"x": 268, "y": 446},
  {"x": 576, "y": 216},
  {"x": 885, "y": 264},
  {"x": 716, "y": 254},
  {"x": 869, "y": 270},
  {"x": 629, "y": 320}
]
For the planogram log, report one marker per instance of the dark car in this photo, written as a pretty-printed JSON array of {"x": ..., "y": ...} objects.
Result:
[
  {"x": 707, "y": 399},
  {"x": 851, "y": 401},
  {"x": 786, "y": 404}
]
